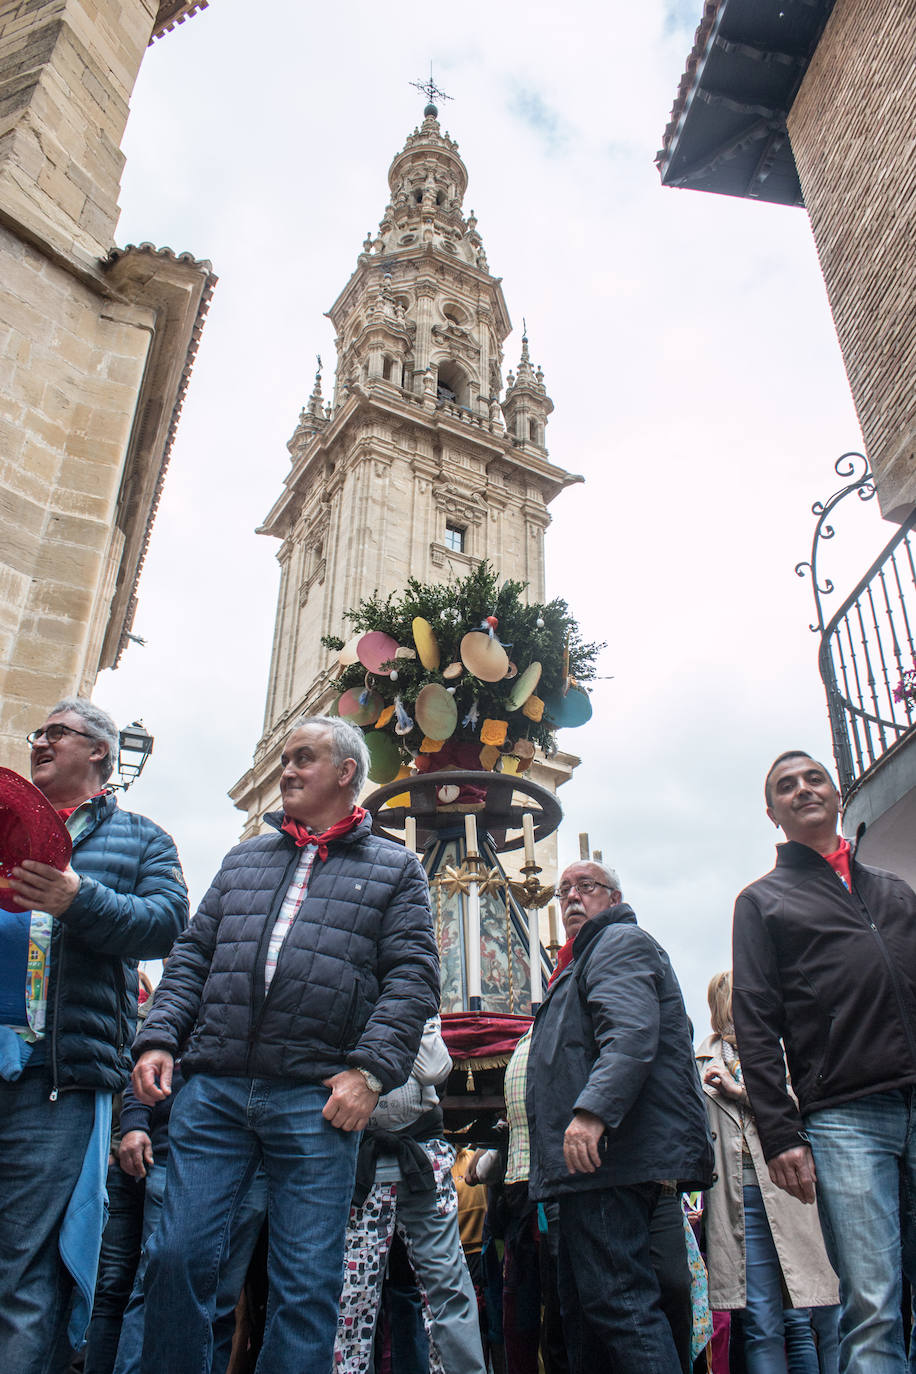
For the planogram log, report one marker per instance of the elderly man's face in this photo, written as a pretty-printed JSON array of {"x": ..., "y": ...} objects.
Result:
[
  {"x": 312, "y": 785},
  {"x": 67, "y": 768},
  {"x": 576, "y": 906}
]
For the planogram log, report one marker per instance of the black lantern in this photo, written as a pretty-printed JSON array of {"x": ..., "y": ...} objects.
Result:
[{"x": 136, "y": 745}]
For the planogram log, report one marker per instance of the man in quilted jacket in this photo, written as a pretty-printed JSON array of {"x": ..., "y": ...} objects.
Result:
[
  {"x": 297, "y": 995},
  {"x": 68, "y": 1010}
]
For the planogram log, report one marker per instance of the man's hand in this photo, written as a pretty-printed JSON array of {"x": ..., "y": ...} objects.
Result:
[
  {"x": 152, "y": 1076},
  {"x": 136, "y": 1153},
  {"x": 351, "y": 1103},
  {"x": 39, "y": 887},
  {"x": 793, "y": 1171},
  {"x": 580, "y": 1143}
]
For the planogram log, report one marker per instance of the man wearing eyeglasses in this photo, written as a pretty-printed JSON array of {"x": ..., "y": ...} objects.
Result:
[
  {"x": 616, "y": 1117},
  {"x": 68, "y": 993}
]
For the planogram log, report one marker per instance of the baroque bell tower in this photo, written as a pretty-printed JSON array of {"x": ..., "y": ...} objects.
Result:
[{"x": 414, "y": 468}]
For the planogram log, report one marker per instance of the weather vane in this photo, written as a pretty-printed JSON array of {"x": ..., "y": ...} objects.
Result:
[{"x": 430, "y": 89}]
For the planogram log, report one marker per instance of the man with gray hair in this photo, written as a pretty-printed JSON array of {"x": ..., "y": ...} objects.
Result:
[
  {"x": 296, "y": 997},
  {"x": 616, "y": 1120},
  {"x": 68, "y": 1009}
]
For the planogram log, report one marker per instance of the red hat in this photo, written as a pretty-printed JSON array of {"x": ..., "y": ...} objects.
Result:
[{"x": 30, "y": 828}]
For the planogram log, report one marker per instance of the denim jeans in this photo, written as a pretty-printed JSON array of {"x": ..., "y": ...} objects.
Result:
[
  {"x": 246, "y": 1228},
  {"x": 865, "y": 1157},
  {"x": 42, "y": 1147},
  {"x": 774, "y": 1341},
  {"x": 609, "y": 1293},
  {"x": 220, "y": 1130},
  {"x": 118, "y": 1262}
]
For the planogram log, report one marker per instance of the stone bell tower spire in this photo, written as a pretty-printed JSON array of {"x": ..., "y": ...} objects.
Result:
[{"x": 410, "y": 470}]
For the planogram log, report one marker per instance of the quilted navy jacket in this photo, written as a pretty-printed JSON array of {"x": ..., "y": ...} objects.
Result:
[
  {"x": 131, "y": 905},
  {"x": 357, "y": 976}
]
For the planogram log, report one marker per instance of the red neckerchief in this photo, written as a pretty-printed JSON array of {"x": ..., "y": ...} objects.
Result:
[
  {"x": 839, "y": 862},
  {"x": 303, "y": 836},
  {"x": 65, "y": 812},
  {"x": 564, "y": 956}
]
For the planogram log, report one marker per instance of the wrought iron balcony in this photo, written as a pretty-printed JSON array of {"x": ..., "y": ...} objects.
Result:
[{"x": 867, "y": 653}]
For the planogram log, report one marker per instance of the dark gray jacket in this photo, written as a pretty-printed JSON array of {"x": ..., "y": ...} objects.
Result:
[
  {"x": 613, "y": 1038},
  {"x": 357, "y": 976}
]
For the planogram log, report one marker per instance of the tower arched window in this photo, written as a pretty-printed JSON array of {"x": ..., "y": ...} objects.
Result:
[{"x": 453, "y": 384}]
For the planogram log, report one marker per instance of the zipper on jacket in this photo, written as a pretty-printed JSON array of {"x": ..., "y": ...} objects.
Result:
[
  {"x": 58, "y": 984},
  {"x": 854, "y": 894},
  {"x": 258, "y": 969}
]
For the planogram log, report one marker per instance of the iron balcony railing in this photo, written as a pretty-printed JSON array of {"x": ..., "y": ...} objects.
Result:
[{"x": 867, "y": 655}]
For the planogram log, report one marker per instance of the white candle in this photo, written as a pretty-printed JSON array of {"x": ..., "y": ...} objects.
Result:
[
  {"x": 528, "y": 831},
  {"x": 470, "y": 835},
  {"x": 534, "y": 955},
  {"x": 473, "y": 950},
  {"x": 552, "y": 921},
  {"x": 410, "y": 832}
]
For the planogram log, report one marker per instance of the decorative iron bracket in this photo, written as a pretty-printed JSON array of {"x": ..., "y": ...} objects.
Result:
[{"x": 864, "y": 486}]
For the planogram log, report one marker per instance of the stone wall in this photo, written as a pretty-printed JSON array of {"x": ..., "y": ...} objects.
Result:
[{"x": 853, "y": 132}]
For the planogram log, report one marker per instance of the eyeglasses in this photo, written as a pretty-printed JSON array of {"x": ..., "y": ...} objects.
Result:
[
  {"x": 584, "y": 886},
  {"x": 53, "y": 733}
]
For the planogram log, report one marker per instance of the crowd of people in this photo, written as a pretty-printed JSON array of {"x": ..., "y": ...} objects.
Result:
[{"x": 282, "y": 1087}]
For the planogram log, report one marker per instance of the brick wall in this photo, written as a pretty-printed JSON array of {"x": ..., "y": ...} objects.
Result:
[{"x": 853, "y": 132}]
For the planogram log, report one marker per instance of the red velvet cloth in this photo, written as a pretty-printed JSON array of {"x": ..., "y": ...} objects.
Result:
[
  {"x": 479, "y": 1035},
  {"x": 303, "y": 836}
]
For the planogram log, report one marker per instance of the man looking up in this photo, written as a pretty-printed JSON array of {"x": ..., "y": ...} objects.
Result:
[
  {"x": 299, "y": 993},
  {"x": 615, "y": 1112},
  {"x": 68, "y": 986},
  {"x": 824, "y": 955}
]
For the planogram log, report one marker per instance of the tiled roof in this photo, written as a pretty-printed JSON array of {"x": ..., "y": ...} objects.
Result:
[{"x": 688, "y": 80}]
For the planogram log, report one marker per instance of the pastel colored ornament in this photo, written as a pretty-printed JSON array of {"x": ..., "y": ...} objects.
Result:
[
  {"x": 452, "y": 671},
  {"x": 533, "y": 708},
  {"x": 359, "y": 712},
  {"x": 524, "y": 685},
  {"x": 435, "y": 711},
  {"x": 375, "y": 649},
  {"x": 404, "y": 652},
  {"x": 511, "y": 671},
  {"x": 449, "y": 793},
  {"x": 384, "y": 756},
  {"x": 427, "y": 645},
  {"x": 494, "y": 731},
  {"x": 384, "y": 718},
  {"x": 484, "y": 657},
  {"x": 402, "y": 798},
  {"x": 348, "y": 653},
  {"x": 489, "y": 756},
  {"x": 508, "y": 764},
  {"x": 573, "y": 709},
  {"x": 430, "y": 746}
]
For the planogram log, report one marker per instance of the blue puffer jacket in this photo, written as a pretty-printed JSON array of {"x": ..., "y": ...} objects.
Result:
[
  {"x": 131, "y": 905},
  {"x": 357, "y": 976}
]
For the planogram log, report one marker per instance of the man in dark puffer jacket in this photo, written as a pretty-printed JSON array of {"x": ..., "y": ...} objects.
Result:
[
  {"x": 301, "y": 988},
  {"x": 70, "y": 961}
]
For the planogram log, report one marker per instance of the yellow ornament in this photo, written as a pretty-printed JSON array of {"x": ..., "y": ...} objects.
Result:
[
  {"x": 427, "y": 645},
  {"x": 533, "y": 708},
  {"x": 431, "y": 746},
  {"x": 387, "y": 713},
  {"x": 494, "y": 731}
]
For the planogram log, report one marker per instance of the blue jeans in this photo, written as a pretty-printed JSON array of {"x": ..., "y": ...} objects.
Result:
[
  {"x": 42, "y": 1147},
  {"x": 865, "y": 1157},
  {"x": 220, "y": 1130},
  {"x": 609, "y": 1293},
  {"x": 774, "y": 1340},
  {"x": 246, "y": 1228},
  {"x": 118, "y": 1262}
]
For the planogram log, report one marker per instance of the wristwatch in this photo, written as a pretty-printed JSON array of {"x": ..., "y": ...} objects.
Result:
[{"x": 372, "y": 1083}]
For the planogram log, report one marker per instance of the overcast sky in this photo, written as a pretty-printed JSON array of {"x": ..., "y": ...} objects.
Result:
[{"x": 687, "y": 345}]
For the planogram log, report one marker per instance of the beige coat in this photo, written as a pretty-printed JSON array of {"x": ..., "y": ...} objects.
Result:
[{"x": 794, "y": 1225}]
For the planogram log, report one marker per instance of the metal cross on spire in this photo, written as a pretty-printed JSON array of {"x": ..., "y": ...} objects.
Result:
[{"x": 430, "y": 89}]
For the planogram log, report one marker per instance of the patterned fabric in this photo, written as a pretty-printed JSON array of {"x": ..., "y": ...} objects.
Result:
[
  {"x": 701, "y": 1333},
  {"x": 370, "y": 1230},
  {"x": 514, "y": 1089},
  {"x": 291, "y": 904}
]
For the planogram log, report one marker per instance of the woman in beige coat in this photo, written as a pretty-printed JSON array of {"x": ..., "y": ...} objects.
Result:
[{"x": 764, "y": 1249}]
